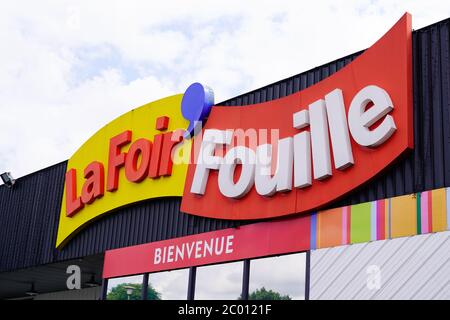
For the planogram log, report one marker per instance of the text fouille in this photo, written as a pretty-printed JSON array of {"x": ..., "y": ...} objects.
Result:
[
  {"x": 199, "y": 249},
  {"x": 304, "y": 156}
]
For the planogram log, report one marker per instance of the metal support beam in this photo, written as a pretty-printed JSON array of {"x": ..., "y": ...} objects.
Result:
[
  {"x": 307, "y": 274},
  {"x": 246, "y": 280},
  {"x": 104, "y": 291},
  {"x": 191, "y": 283},
  {"x": 144, "y": 291}
]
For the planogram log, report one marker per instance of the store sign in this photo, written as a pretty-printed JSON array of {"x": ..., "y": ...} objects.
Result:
[
  {"x": 141, "y": 155},
  {"x": 303, "y": 151},
  {"x": 246, "y": 242},
  {"x": 291, "y": 155}
]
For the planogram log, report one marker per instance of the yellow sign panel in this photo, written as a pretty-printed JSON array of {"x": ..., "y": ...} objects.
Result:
[{"x": 125, "y": 162}]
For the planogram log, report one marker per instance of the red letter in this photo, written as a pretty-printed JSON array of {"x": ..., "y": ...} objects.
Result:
[
  {"x": 141, "y": 147},
  {"x": 170, "y": 140},
  {"x": 162, "y": 123},
  {"x": 73, "y": 203},
  {"x": 116, "y": 159},
  {"x": 156, "y": 156},
  {"x": 94, "y": 186}
]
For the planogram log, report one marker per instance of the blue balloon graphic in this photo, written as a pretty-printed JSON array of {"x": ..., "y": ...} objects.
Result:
[{"x": 196, "y": 106}]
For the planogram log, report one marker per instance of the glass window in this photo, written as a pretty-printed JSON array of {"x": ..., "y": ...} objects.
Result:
[
  {"x": 222, "y": 281},
  {"x": 278, "y": 278},
  {"x": 125, "y": 288},
  {"x": 170, "y": 285}
]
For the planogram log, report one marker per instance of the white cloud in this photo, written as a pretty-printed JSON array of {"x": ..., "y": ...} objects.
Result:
[
  {"x": 284, "y": 274},
  {"x": 172, "y": 285},
  {"x": 221, "y": 281},
  {"x": 69, "y": 67}
]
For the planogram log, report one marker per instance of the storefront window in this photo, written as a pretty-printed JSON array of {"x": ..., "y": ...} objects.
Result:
[
  {"x": 125, "y": 288},
  {"x": 278, "y": 278},
  {"x": 222, "y": 281},
  {"x": 170, "y": 285}
]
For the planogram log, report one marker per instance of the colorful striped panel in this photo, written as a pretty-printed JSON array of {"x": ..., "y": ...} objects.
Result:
[
  {"x": 346, "y": 225},
  {"x": 403, "y": 216},
  {"x": 360, "y": 217},
  {"x": 439, "y": 212},
  {"x": 379, "y": 215},
  {"x": 447, "y": 198},
  {"x": 424, "y": 213},
  {"x": 329, "y": 226},
  {"x": 420, "y": 213},
  {"x": 387, "y": 221},
  {"x": 313, "y": 231},
  {"x": 373, "y": 221}
]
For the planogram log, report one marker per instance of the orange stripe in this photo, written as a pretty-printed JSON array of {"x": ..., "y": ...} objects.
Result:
[
  {"x": 403, "y": 216},
  {"x": 330, "y": 228},
  {"x": 438, "y": 201}
]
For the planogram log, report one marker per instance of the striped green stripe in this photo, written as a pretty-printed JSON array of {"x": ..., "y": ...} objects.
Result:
[
  {"x": 360, "y": 223},
  {"x": 419, "y": 213}
]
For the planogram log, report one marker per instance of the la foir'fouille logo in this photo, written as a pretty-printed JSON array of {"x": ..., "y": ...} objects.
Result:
[
  {"x": 141, "y": 155},
  {"x": 330, "y": 139}
]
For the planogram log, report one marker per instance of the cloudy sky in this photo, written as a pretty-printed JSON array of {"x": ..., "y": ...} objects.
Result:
[{"x": 69, "y": 67}]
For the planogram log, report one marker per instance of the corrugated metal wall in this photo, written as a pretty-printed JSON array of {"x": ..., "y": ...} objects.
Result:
[
  {"x": 416, "y": 267},
  {"x": 28, "y": 218},
  {"x": 29, "y": 211}
]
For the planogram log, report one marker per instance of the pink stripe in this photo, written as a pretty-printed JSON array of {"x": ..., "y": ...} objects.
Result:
[
  {"x": 344, "y": 225},
  {"x": 424, "y": 199},
  {"x": 381, "y": 220}
]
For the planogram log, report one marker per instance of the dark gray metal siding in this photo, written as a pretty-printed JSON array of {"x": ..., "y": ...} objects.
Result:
[
  {"x": 29, "y": 212},
  {"x": 28, "y": 218}
]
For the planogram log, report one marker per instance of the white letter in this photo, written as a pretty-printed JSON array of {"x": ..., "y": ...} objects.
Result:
[
  {"x": 360, "y": 119},
  {"x": 320, "y": 140},
  {"x": 179, "y": 252},
  {"x": 198, "y": 249},
  {"x": 300, "y": 119},
  {"x": 157, "y": 257},
  {"x": 302, "y": 160},
  {"x": 229, "y": 245},
  {"x": 190, "y": 249},
  {"x": 208, "y": 247},
  {"x": 237, "y": 155},
  {"x": 340, "y": 139},
  {"x": 265, "y": 184},
  {"x": 218, "y": 251},
  {"x": 164, "y": 255},
  {"x": 170, "y": 254},
  {"x": 206, "y": 159}
]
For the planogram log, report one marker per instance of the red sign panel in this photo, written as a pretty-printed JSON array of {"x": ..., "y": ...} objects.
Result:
[
  {"x": 256, "y": 240},
  {"x": 335, "y": 136}
]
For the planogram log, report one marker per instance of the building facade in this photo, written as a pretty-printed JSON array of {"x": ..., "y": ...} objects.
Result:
[{"x": 386, "y": 239}]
